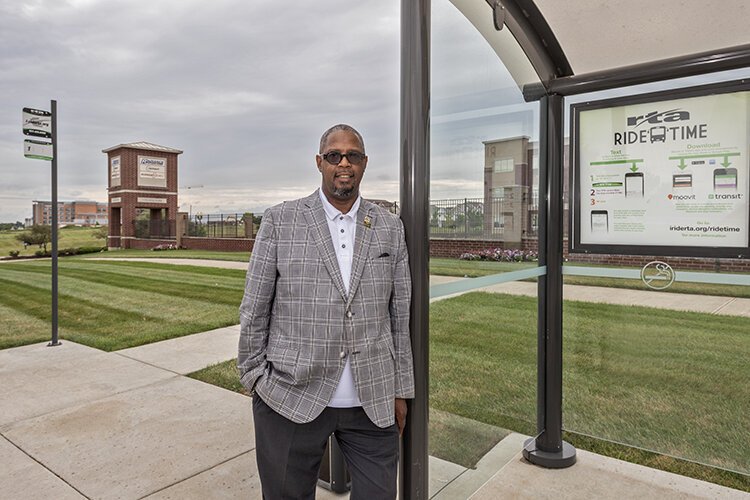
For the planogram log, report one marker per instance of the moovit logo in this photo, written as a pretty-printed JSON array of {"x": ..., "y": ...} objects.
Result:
[
  {"x": 147, "y": 161},
  {"x": 679, "y": 197}
]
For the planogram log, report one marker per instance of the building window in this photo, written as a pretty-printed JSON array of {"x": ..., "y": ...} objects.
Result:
[{"x": 504, "y": 165}]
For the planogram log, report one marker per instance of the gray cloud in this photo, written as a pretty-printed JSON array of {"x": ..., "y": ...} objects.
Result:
[{"x": 244, "y": 88}]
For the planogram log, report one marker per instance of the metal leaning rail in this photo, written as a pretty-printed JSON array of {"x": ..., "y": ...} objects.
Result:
[
  {"x": 684, "y": 276},
  {"x": 466, "y": 285},
  {"x": 469, "y": 284}
]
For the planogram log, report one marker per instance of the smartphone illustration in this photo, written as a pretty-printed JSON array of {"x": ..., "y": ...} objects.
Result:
[
  {"x": 599, "y": 221},
  {"x": 682, "y": 180},
  {"x": 634, "y": 184},
  {"x": 725, "y": 178}
]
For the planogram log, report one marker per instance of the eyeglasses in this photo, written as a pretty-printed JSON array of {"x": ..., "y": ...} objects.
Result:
[{"x": 335, "y": 157}]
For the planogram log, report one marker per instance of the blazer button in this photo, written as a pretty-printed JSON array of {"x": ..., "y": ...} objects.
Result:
[
  {"x": 349, "y": 314},
  {"x": 342, "y": 354}
]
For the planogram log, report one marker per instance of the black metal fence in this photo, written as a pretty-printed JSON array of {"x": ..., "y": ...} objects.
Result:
[
  {"x": 238, "y": 225},
  {"x": 155, "y": 229},
  {"x": 460, "y": 218}
]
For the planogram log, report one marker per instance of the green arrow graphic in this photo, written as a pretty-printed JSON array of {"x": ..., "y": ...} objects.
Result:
[
  {"x": 682, "y": 164},
  {"x": 634, "y": 168},
  {"x": 726, "y": 162}
]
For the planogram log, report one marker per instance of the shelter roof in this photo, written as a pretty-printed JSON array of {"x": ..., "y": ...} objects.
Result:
[{"x": 584, "y": 37}]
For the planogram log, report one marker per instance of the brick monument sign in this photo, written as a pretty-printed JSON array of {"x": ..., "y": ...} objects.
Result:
[{"x": 142, "y": 194}]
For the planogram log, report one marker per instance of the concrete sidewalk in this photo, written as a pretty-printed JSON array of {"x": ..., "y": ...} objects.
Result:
[{"x": 78, "y": 423}]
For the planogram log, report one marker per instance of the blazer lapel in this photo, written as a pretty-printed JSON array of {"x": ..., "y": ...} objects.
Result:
[
  {"x": 316, "y": 218},
  {"x": 362, "y": 238}
]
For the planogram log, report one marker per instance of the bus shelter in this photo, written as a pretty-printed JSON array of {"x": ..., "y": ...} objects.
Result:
[{"x": 555, "y": 51}]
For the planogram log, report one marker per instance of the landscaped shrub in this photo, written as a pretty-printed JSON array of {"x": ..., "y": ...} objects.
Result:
[
  {"x": 169, "y": 246},
  {"x": 500, "y": 255},
  {"x": 14, "y": 253},
  {"x": 82, "y": 250}
]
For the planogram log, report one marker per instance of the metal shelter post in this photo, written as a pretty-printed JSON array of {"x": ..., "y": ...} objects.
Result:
[
  {"x": 548, "y": 449},
  {"x": 414, "y": 197}
]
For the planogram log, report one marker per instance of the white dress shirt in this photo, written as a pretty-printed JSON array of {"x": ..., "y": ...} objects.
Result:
[{"x": 342, "y": 228}]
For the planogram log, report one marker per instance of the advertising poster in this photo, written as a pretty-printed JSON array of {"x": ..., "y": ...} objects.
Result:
[{"x": 669, "y": 174}]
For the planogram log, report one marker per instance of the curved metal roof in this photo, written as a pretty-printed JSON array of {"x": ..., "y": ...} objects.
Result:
[{"x": 568, "y": 42}]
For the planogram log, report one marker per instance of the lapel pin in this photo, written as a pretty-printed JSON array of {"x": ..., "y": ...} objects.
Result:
[{"x": 367, "y": 222}]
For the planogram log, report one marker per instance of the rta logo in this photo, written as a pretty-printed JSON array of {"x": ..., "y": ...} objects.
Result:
[{"x": 654, "y": 117}]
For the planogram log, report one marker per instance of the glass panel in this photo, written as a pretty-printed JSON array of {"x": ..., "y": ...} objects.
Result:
[
  {"x": 483, "y": 320},
  {"x": 665, "y": 371}
]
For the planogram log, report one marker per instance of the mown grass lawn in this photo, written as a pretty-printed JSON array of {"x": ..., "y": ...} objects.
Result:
[
  {"x": 669, "y": 381},
  {"x": 113, "y": 305},
  {"x": 71, "y": 236},
  {"x": 674, "y": 382}
]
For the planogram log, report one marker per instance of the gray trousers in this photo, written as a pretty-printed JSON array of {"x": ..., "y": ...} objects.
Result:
[{"x": 289, "y": 454}]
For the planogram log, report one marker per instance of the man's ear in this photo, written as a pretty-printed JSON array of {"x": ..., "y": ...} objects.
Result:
[{"x": 318, "y": 161}]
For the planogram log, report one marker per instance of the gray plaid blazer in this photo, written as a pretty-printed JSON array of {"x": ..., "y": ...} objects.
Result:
[{"x": 298, "y": 325}]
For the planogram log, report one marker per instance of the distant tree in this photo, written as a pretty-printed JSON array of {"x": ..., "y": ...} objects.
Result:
[
  {"x": 37, "y": 235},
  {"x": 100, "y": 233}
]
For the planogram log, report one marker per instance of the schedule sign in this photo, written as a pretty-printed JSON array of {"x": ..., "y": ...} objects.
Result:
[
  {"x": 37, "y": 123},
  {"x": 663, "y": 174}
]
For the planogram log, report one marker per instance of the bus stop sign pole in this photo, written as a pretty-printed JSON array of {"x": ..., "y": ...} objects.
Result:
[{"x": 53, "y": 109}]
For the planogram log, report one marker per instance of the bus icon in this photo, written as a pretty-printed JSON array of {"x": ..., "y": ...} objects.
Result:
[{"x": 658, "y": 134}]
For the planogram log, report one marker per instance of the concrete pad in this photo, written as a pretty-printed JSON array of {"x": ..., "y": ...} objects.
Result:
[
  {"x": 660, "y": 300},
  {"x": 439, "y": 280},
  {"x": 595, "y": 476},
  {"x": 514, "y": 288},
  {"x": 136, "y": 443},
  {"x": 37, "y": 379},
  {"x": 466, "y": 484},
  {"x": 236, "y": 478},
  {"x": 22, "y": 477},
  {"x": 442, "y": 473},
  {"x": 736, "y": 307},
  {"x": 189, "y": 353}
]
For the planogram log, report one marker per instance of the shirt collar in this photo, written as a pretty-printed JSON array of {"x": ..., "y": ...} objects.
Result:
[{"x": 333, "y": 212}]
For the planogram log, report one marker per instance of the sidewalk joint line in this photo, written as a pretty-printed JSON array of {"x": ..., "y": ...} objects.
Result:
[
  {"x": 196, "y": 474},
  {"x": 44, "y": 466},
  {"x": 724, "y": 305},
  {"x": 147, "y": 363}
]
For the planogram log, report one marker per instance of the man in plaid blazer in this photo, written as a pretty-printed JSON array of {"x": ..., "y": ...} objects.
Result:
[{"x": 324, "y": 339}]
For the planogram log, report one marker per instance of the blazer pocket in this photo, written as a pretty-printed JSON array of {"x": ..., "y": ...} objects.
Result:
[{"x": 285, "y": 366}]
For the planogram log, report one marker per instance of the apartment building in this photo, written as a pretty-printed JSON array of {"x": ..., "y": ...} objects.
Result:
[{"x": 78, "y": 212}]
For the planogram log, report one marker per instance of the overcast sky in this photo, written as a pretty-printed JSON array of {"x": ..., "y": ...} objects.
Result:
[{"x": 243, "y": 88}]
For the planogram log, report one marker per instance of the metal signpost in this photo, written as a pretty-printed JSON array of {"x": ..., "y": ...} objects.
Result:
[{"x": 39, "y": 123}]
